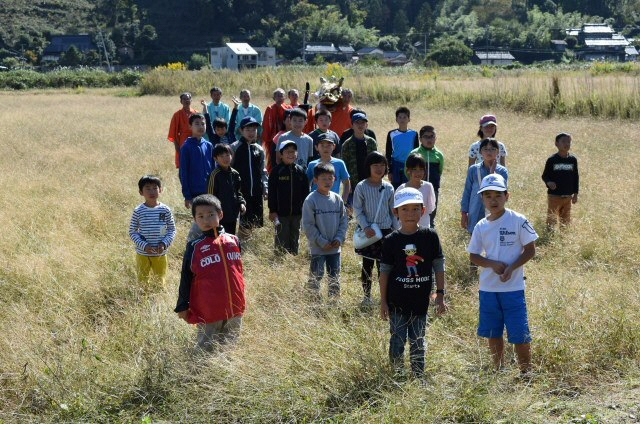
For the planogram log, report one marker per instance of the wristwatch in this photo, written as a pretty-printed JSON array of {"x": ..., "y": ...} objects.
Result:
[{"x": 439, "y": 291}]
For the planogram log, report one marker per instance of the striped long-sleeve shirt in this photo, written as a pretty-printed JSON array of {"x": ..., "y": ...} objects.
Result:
[
  {"x": 152, "y": 226},
  {"x": 365, "y": 204}
]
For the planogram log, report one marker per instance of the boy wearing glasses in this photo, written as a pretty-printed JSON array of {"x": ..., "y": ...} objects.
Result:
[{"x": 434, "y": 160}]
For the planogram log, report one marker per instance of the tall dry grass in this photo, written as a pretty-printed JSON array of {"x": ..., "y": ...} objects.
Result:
[
  {"x": 602, "y": 90},
  {"x": 81, "y": 341}
]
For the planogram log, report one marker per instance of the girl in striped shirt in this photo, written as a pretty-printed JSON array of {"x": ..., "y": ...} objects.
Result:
[{"x": 373, "y": 204}]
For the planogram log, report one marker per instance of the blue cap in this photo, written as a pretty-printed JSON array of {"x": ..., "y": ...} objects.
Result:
[
  {"x": 248, "y": 120},
  {"x": 359, "y": 117},
  {"x": 493, "y": 182},
  {"x": 286, "y": 144}
]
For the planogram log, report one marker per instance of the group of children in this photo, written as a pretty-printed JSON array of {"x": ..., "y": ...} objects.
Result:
[{"x": 227, "y": 177}]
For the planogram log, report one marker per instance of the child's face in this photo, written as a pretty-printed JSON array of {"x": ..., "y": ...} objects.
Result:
[
  {"x": 564, "y": 144},
  {"x": 410, "y": 214},
  {"x": 216, "y": 96},
  {"x": 402, "y": 119},
  {"x": 325, "y": 148},
  {"x": 415, "y": 174},
  {"x": 297, "y": 123},
  {"x": 250, "y": 133},
  {"x": 359, "y": 126},
  {"x": 494, "y": 201},
  {"x": 378, "y": 170},
  {"x": 245, "y": 98},
  {"x": 220, "y": 131},
  {"x": 489, "y": 153},
  {"x": 324, "y": 122},
  {"x": 224, "y": 160},
  {"x": 289, "y": 155},
  {"x": 428, "y": 140},
  {"x": 278, "y": 97},
  {"x": 150, "y": 192},
  {"x": 207, "y": 217},
  {"x": 198, "y": 127},
  {"x": 324, "y": 182},
  {"x": 489, "y": 130}
]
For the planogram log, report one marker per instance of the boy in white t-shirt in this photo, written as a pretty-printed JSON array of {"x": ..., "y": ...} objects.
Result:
[{"x": 508, "y": 242}]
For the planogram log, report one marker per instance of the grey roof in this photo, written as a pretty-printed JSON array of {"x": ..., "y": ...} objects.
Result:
[
  {"x": 485, "y": 55},
  {"x": 393, "y": 55},
  {"x": 321, "y": 48},
  {"x": 573, "y": 31},
  {"x": 559, "y": 42},
  {"x": 597, "y": 29},
  {"x": 611, "y": 42},
  {"x": 631, "y": 51},
  {"x": 368, "y": 50},
  {"x": 62, "y": 43},
  {"x": 346, "y": 49}
]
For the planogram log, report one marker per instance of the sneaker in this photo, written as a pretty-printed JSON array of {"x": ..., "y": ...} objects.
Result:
[{"x": 367, "y": 302}]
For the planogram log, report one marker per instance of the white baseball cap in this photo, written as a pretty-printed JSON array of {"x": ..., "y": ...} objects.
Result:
[
  {"x": 493, "y": 182},
  {"x": 407, "y": 195}
]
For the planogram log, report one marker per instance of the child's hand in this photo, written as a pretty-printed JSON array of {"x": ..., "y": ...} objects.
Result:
[
  {"x": 150, "y": 249},
  {"x": 273, "y": 216},
  {"x": 574, "y": 198},
  {"x": 369, "y": 232},
  {"x": 498, "y": 267},
  {"x": 506, "y": 274},
  {"x": 187, "y": 204},
  {"x": 243, "y": 209},
  {"x": 551, "y": 185},
  {"x": 203, "y": 103},
  {"x": 183, "y": 314},
  {"x": 335, "y": 244},
  {"x": 161, "y": 248},
  {"x": 384, "y": 311},
  {"x": 464, "y": 220},
  {"x": 236, "y": 101},
  {"x": 327, "y": 246}
]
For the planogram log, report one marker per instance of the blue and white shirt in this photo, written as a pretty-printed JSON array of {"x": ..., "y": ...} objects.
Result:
[{"x": 152, "y": 226}]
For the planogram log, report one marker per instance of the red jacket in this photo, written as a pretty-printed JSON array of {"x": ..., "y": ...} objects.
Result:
[{"x": 212, "y": 281}]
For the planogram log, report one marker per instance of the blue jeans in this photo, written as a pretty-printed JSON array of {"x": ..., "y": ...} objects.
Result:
[
  {"x": 398, "y": 174},
  {"x": 318, "y": 263},
  {"x": 403, "y": 326}
]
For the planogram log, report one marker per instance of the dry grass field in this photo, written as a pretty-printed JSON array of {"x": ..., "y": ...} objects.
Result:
[{"x": 81, "y": 341}]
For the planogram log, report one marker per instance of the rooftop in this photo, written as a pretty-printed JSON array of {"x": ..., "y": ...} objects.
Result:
[
  {"x": 241, "y": 48},
  {"x": 495, "y": 55}
]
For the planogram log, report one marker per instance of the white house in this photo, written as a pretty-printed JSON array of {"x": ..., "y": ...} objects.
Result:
[{"x": 239, "y": 56}]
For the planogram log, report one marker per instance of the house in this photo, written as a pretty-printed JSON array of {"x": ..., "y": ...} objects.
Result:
[
  {"x": 371, "y": 52},
  {"x": 395, "y": 58},
  {"x": 559, "y": 45},
  {"x": 328, "y": 51},
  {"x": 599, "y": 42},
  {"x": 486, "y": 57},
  {"x": 62, "y": 43},
  {"x": 631, "y": 54},
  {"x": 239, "y": 56}
]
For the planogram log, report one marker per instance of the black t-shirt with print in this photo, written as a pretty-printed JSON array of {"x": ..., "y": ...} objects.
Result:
[{"x": 411, "y": 279}]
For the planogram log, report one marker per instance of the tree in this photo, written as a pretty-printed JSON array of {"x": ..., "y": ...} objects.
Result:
[
  {"x": 72, "y": 57},
  {"x": 198, "y": 61},
  {"x": 449, "y": 51}
]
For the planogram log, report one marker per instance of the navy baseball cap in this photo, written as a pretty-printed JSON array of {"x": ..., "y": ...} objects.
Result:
[
  {"x": 325, "y": 137},
  {"x": 359, "y": 117},
  {"x": 249, "y": 120}
]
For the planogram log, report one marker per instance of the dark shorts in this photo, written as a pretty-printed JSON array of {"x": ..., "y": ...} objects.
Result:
[{"x": 254, "y": 217}]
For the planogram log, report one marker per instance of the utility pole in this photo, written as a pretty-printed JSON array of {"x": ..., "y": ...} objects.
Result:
[
  {"x": 104, "y": 47},
  {"x": 304, "y": 46}
]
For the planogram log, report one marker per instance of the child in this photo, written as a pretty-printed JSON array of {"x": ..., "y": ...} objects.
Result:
[
  {"x": 247, "y": 109},
  {"x": 356, "y": 148},
  {"x": 323, "y": 121},
  {"x": 415, "y": 167},
  {"x": 488, "y": 129},
  {"x": 471, "y": 207},
  {"x": 562, "y": 180},
  {"x": 410, "y": 256},
  {"x": 400, "y": 142},
  {"x": 152, "y": 229},
  {"x": 508, "y": 242},
  {"x": 349, "y": 131},
  {"x": 218, "y": 128},
  {"x": 288, "y": 187},
  {"x": 224, "y": 183},
  {"x": 324, "y": 220},
  {"x": 249, "y": 161},
  {"x": 179, "y": 128},
  {"x": 298, "y": 119},
  {"x": 373, "y": 204},
  {"x": 211, "y": 293},
  {"x": 434, "y": 163},
  {"x": 326, "y": 145}
]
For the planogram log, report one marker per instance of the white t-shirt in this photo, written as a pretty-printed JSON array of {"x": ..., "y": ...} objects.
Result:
[
  {"x": 305, "y": 147},
  {"x": 474, "y": 151},
  {"x": 502, "y": 240},
  {"x": 429, "y": 199}
]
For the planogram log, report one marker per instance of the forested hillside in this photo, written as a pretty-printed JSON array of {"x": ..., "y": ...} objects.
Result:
[{"x": 165, "y": 30}]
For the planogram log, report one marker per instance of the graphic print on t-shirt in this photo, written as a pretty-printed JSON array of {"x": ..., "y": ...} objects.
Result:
[
  {"x": 412, "y": 260},
  {"x": 507, "y": 238}
]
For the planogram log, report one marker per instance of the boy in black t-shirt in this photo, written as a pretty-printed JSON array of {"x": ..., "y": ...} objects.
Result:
[
  {"x": 561, "y": 178},
  {"x": 410, "y": 256}
]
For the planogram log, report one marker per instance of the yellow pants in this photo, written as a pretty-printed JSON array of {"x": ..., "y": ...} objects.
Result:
[{"x": 146, "y": 264}]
